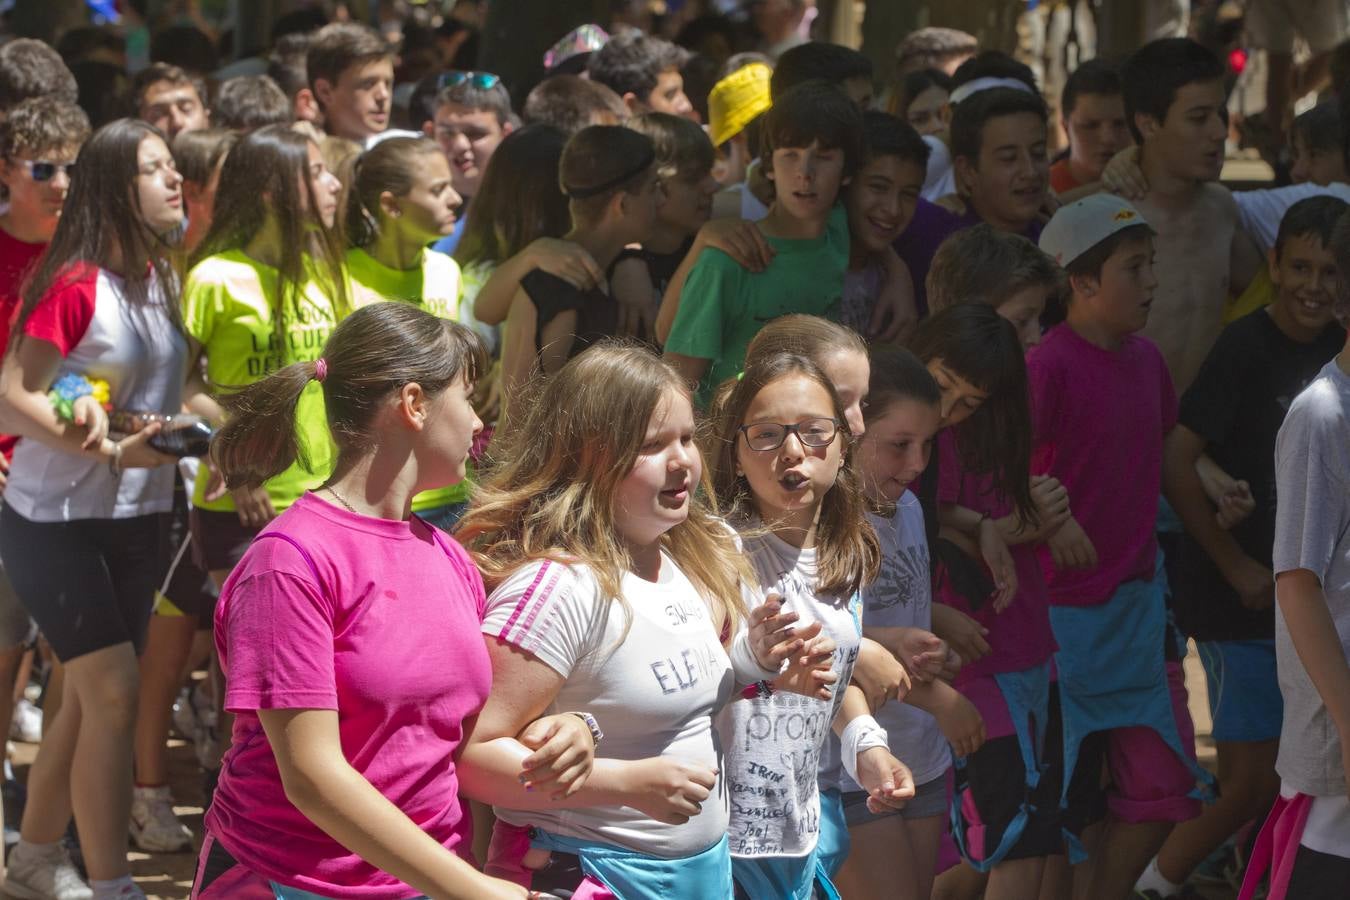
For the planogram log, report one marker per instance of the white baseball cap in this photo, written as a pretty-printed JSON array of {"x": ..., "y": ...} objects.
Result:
[{"x": 1078, "y": 227}]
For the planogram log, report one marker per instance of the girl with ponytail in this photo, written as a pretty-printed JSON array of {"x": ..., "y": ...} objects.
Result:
[
  {"x": 400, "y": 200},
  {"x": 341, "y": 778}
]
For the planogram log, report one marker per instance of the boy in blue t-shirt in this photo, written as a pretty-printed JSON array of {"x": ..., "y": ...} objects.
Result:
[{"x": 812, "y": 145}]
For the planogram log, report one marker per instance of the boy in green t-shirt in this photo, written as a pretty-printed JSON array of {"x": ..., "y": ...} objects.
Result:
[{"x": 812, "y": 144}]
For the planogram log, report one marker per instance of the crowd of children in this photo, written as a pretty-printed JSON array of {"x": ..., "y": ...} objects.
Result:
[{"x": 598, "y": 503}]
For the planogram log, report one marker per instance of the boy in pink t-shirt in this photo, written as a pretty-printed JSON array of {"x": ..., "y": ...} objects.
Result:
[{"x": 1102, "y": 401}]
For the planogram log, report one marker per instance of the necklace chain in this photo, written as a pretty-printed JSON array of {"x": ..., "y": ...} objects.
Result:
[{"x": 330, "y": 489}]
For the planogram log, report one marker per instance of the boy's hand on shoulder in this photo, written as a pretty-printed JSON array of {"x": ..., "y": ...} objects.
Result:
[
  {"x": 1071, "y": 548},
  {"x": 566, "y": 260},
  {"x": 740, "y": 239},
  {"x": 1123, "y": 175},
  {"x": 952, "y": 203}
]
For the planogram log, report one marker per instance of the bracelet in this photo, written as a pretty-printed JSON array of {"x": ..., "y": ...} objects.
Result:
[
  {"x": 596, "y": 734},
  {"x": 759, "y": 690},
  {"x": 115, "y": 463}
]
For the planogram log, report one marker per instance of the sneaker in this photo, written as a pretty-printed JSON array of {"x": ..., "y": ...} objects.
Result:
[
  {"x": 39, "y": 876},
  {"x": 154, "y": 827},
  {"x": 184, "y": 715},
  {"x": 26, "y": 725}
]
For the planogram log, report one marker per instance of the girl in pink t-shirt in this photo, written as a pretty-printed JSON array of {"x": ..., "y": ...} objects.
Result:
[{"x": 341, "y": 781}]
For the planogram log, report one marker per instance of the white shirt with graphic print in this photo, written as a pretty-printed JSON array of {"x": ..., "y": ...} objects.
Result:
[
  {"x": 653, "y": 680},
  {"x": 774, "y": 744}
]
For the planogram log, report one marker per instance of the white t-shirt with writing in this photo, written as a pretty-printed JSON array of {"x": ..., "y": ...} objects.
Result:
[
  {"x": 773, "y": 744},
  {"x": 653, "y": 679}
]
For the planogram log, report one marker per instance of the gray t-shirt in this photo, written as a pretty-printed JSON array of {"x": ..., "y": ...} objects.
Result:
[{"x": 1312, "y": 531}]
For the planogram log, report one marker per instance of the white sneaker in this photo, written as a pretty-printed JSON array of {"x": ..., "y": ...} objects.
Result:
[
  {"x": 184, "y": 716},
  {"x": 154, "y": 827},
  {"x": 26, "y": 725},
  {"x": 44, "y": 876}
]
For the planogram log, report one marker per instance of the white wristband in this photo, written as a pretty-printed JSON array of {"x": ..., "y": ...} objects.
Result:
[
  {"x": 743, "y": 662},
  {"x": 862, "y": 733}
]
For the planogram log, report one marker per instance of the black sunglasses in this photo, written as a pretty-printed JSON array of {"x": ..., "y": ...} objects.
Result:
[{"x": 46, "y": 171}]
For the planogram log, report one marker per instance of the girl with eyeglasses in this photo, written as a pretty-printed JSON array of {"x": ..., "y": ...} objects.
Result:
[
  {"x": 780, "y": 460},
  {"x": 82, "y": 526}
]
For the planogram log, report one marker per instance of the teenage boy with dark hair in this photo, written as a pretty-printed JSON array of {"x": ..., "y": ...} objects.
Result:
[
  {"x": 1102, "y": 403},
  {"x": 880, "y": 200},
  {"x": 998, "y": 139},
  {"x": 472, "y": 115},
  {"x": 819, "y": 61},
  {"x": 1224, "y": 594},
  {"x": 570, "y": 103},
  {"x": 247, "y": 102},
  {"x": 1092, "y": 110},
  {"x": 1308, "y": 831},
  {"x": 170, "y": 99},
  {"x": 984, "y": 71},
  {"x": 351, "y": 72},
  {"x": 1177, "y": 112},
  {"x": 645, "y": 72},
  {"x": 812, "y": 146},
  {"x": 31, "y": 68}
]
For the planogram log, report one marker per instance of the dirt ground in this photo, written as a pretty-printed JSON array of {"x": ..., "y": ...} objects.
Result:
[{"x": 168, "y": 876}]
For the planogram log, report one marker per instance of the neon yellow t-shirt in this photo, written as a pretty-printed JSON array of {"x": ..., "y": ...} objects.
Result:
[
  {"x": 435, "y": 286},
  {"x": 1259, "y": 294},
  {"x": 228, "y": 304}
]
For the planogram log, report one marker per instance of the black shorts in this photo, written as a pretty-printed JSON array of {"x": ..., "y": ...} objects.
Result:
[
  {"x": 89, "y": 583},
  {"x": 185, "y": 584},
  {"x": 219, "y": 539}
]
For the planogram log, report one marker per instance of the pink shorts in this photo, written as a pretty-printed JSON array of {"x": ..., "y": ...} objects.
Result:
[
  {"x": 224, "y": 878},
  {"x": 510, "y": 857},
  {"x": 1149, "y": 782}
]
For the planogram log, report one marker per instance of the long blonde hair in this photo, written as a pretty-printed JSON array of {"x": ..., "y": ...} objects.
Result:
[{"x": 554, "y": 477}]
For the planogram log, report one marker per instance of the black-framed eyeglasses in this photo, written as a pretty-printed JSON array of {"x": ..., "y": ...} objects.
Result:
[
  {"x": 46, "y": 171},
  {"x": 765, "y": 436},
  {"x": 484, "y": 81}
]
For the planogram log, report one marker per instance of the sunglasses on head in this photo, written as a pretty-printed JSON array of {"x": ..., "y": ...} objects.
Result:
[
  {"x": 484, "y": 81},
  {"x": 46, "y": 171}
]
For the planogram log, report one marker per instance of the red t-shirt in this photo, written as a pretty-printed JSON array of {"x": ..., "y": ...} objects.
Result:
[
  {"x": 1061, "y": 177},
  {"x": 17, "y": 259}
]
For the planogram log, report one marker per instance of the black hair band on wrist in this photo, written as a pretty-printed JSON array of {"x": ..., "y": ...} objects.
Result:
[{"x": 581, "y": 193}]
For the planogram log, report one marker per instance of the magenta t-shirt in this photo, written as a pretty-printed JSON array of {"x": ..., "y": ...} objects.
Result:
[
  {"x": 1099, "y": 418},
  {"x": 1020, "y": 636},
  {"x": 379, "y": 620}
]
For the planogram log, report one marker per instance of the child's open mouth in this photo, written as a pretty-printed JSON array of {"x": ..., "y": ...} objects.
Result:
[{"x": 793, "y": 481}]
